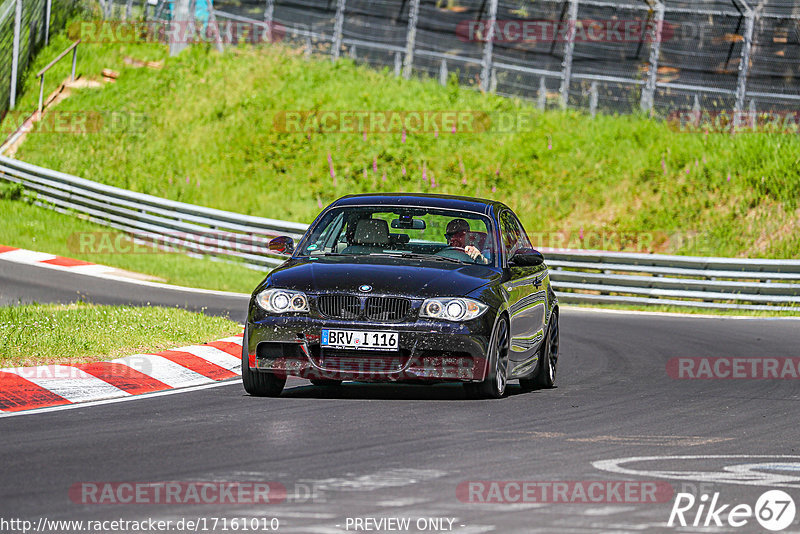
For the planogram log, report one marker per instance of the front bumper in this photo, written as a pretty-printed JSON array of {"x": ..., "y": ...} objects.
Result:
[{"x": 429, "y": 350}]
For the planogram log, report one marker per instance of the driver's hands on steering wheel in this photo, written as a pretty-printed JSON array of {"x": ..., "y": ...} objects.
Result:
[{"x": 475, "y": 254}]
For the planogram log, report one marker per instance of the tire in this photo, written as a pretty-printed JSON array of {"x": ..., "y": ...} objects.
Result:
[
  {"x": 494, "y": 386},
  {"x": 325, "y": 382},
  {"x": 545, "y": 376},
  {"x": 259, "y": 384}
]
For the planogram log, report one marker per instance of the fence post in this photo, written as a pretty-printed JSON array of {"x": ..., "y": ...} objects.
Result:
[
  {"x": 744, "y": 65},
  {"x": 181, "y": 16},
  {"x": 541, "y": 98},
  {"x": 338, "y": 25},
  {"x": 268, "y": 15},
  {"x": 486, "y": 63},
  {"x": 12, "y": 96},
  {"x": 649, "y": 91},
  {"x": 566, "y": 67},
  {"x": 47, "y": 8},
  {"x": 411, "y": 38}
]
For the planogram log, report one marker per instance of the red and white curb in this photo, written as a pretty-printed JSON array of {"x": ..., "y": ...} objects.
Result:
[
  {"x": 27, "y": 388},
  {"x": 44, "y": 259}
]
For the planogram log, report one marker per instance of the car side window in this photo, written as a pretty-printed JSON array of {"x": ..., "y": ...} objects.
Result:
[
  {"x": 524, "y": 242},
  {"x": 514, "y": 236},
  {"x": 510, "y": 233}
]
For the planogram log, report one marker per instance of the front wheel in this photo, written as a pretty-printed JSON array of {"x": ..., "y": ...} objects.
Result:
[
  {"x": 494, "y": 386},
  {"x": 257, "y": 383},
  {"x": 548, "y": 360}
]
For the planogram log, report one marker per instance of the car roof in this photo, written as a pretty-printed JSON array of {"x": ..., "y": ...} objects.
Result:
[{"x": 455, "y": 202}]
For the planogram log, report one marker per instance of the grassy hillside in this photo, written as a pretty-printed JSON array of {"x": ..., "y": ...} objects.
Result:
[{"x": 210, "y": 139}]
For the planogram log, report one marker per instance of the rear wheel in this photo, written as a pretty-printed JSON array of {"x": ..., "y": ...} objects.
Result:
[
  {"x": 548, "y": 360},
  {"x": 494, "y": 386},
  {"x": 259, "y": 384}
]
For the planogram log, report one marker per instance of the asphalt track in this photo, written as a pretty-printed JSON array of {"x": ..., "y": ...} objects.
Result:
[{"x": 373, "y": 451}]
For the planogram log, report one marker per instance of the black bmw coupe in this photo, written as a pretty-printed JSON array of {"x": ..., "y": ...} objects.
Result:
[{"x": 405, "y": 288}]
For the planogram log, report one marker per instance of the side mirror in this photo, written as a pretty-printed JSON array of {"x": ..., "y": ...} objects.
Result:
[
  {"x": 527, "y": 257},
  {"x": 282, "y": 245}
]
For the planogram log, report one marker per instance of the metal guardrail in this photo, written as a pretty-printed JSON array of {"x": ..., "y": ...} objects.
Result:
[
  {"x": 150, "y": 219},
  {"x": 578, "y": 276},
  {"x": 72, "y": 48}
]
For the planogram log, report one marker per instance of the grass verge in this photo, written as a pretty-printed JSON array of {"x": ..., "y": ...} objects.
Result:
[
  {"x": 42, "y": 230},
  {"x": 623, "y": 182},
  {"x": 38, "y": 334}
]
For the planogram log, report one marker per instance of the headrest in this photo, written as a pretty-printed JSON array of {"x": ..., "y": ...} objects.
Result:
[{"x": 372, "y": 232}]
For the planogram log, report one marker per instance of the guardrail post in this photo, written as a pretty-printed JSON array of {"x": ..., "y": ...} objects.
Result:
[
  {"x": 443, "y": 72},
  {"x": 269, "y": 13},
  {"x": 411, "y": 38},
  {"x": 41, "y": 93},
  {"x": 181, "y": 16},
  {"x": 488, "y": 46},
  {"x": 47, "y": 8},
  {"x": 593, "y": 99},
  {"x": 398, "y": 64},
  {"x": 12, "y": 96},
  {"x": 566, "y": 67},
  {"x": 541, "y": 98},
  {"x": 338, "y": 25},
  {"x": 744, "y": 66},
  {"x": 74, "y": 64},
  {"x": 649, "y": 91}
]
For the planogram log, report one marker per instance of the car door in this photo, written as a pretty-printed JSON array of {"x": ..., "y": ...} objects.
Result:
[{"x": 526, "y": 290}]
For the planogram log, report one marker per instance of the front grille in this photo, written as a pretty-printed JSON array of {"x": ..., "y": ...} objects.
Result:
[
  {"x": 382, "y": 309},
  {"x": 387, "y": 308},
  {"x": 340, "y": 306},
  {"x": 362, "y": 362}
]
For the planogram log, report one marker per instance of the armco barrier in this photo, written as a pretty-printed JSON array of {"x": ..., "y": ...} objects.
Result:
[{"x": 578, "y": 276}]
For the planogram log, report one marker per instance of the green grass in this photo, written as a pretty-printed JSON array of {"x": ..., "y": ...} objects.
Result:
[
  {"x": 31, "y": 227},
  {"x": 209, "y": 139},
  {"x": 35, "y": 334}
]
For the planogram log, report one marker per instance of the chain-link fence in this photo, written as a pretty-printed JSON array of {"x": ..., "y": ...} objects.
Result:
[
  {"x": 658, "y": 56},
  {"x": 25, "y": 27},
  {"x": 616, "y": 56}
]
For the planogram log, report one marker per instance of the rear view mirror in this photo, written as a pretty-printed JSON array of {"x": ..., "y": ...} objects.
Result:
[
  {"x": 527, "y": 257},
  {"x": 282, "y": 245},
  {"x": 407, "y": 222}
]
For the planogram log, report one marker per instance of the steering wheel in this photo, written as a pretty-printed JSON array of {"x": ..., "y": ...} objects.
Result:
[{"x": 457, "y": 253}]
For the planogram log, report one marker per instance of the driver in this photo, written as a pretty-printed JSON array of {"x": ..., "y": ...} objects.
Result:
[{"x": 456, "y": 234}]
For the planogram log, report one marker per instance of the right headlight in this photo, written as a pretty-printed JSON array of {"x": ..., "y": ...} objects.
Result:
[
  {"x": 452, "y": 309},
  {"x": 283, "y": 301}
]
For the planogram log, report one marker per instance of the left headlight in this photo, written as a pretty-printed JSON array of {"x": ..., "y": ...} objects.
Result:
[
  {"x": 282, "y": 301},
  {"x": 452, "y": 309}
]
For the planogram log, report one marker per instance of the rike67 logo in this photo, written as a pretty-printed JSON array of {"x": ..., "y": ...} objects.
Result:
[{"x": 774, "y": 510}]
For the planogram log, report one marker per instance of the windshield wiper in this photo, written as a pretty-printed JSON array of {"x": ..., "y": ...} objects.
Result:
[
  {"x": 330, "y": 254},
  {"x": 417, "y": 255}
]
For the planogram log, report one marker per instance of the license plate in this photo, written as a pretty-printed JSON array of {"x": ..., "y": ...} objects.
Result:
[{"x": 359, "y": 339}]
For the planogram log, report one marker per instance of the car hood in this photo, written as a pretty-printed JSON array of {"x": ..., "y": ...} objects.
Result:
[{"x": 394, "y": 276}]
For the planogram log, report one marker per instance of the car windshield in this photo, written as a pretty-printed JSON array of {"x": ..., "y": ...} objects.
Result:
[{"x": 409, "y": 233}]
